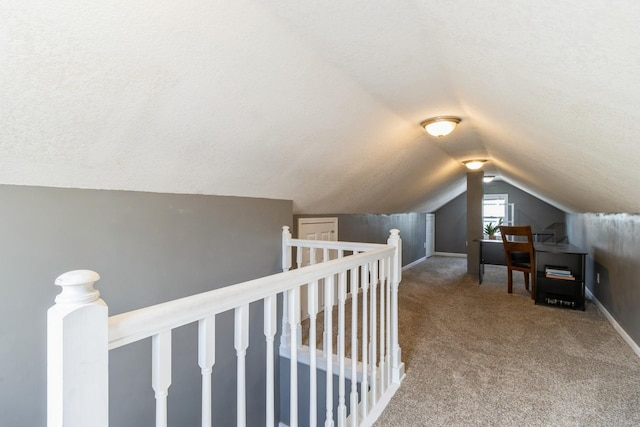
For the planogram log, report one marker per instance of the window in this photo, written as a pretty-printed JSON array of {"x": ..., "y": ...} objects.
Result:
[{"x": 495, "y": 208}]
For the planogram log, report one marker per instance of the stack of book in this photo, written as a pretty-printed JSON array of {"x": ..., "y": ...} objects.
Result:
[{"x": 558, "y": 273}]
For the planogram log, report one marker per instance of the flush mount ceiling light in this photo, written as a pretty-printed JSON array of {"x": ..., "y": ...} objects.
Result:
[
  {"x": 474, "y": 164},
  {"x": 440, "y": 126},
  {"x": 488, "y": 178}
]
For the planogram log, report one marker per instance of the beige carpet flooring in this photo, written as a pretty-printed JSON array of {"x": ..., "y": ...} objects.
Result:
[{"x": 478, "y": 356}]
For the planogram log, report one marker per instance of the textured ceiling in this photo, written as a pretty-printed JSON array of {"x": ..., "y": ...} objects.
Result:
[{"x": 320, "y": 102}]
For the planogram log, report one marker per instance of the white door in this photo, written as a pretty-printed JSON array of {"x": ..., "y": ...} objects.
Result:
[
  {"x": 316, "y": 229},
  {"x": 430, "y": 242}
]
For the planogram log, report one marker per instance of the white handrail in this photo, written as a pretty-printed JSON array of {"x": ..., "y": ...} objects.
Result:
[
  {"x": 328, "y": 244},
  {"x": 138, "y": 324}
]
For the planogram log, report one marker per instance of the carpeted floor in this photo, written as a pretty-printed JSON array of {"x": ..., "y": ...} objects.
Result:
[{"x": 478, "y": 356}]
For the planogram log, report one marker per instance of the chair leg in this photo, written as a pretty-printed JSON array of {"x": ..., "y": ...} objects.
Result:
[
  {"x": 526, "y": 280},
  {"x": 533, "y": 285},
  {"x": 509, "y": 282}
]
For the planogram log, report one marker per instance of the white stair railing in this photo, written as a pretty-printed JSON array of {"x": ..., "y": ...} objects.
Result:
[
  {"x": 80, "y": 335},
  {"x": 371, "y": 290}
]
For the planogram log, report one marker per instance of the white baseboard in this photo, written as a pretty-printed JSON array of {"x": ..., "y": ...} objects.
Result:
[
  {"x": 416, "y": 262},
  {"x": 614, "y": 323},
  {"x": 451, "y": 254},
  {"x": 380, "y": 405}
]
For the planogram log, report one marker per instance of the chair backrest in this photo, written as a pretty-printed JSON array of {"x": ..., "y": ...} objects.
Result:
[{"x": 518, "y": 245}]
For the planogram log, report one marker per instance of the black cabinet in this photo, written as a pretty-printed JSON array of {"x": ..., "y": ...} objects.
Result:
[{"x": 560, "y": 292}]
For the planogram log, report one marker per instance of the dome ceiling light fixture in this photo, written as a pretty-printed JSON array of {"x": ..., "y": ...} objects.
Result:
[
  {"x": 488, "y": 178},
  {"x": 440, "y": 126},
  {"x": 474, "y": 164}
]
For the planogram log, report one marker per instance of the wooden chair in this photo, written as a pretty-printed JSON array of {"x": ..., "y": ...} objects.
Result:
[{"x": 519, "y": 252}]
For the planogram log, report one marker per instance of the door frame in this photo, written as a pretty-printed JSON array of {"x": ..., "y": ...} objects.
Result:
[
  {"x": 430, "y": 237},
  {"x": 327, "y": 219}
]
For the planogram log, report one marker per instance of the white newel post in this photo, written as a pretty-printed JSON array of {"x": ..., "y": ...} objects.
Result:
[
  {"x": 78, "y": 354},
  {"x": 396, "y": 277},
  {"x": 286, "y": 248}
]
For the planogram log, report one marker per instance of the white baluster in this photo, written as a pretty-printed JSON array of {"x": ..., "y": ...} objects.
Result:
[
  {"x": 294, "y": 311},
  {"x": 327, "y": 334},
  {"x": 301, "y": 292},
  {"x": 206, "y": 360},
  {"x": 285, "y": 340},
  {"x": 364, "y": 387},
  {"x": 299, "y": 251},
  {"x": 241, "y": 342},
  {"x": 382, "y": 326},
  {"x": 387, "y": 261},
  {"x": 396, "y": 276},
  {"x": 325, "y": 258},
  {"x": 312, "y": 308},
  {"x": 328, "y": 326},
  {"x": 161, "y": 374},
  {"x": 354, "y": 348},
  {"x": 342, "y": 298},
  {"x": 78, "y": 354},
  {"x": 270, "y": 327},
  {"x": 374, "y": 325}
]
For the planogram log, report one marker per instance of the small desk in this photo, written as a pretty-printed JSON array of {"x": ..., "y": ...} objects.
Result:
[
  {"x": 491, "y": 252},
  {"x": 564, "y": 293}
]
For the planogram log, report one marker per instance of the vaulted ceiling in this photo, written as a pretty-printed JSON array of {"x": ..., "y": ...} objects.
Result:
[{"x": 320, "y": 102}]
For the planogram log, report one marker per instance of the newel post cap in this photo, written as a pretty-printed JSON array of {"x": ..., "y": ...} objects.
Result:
[
  {"x": 394, "y": 235},
  {"x": 77, "y": 287}
]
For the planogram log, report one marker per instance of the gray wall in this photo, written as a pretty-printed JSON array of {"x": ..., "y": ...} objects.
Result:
[
  {"x": 613, "y": 244},
  {"x": 148, "y": 248},
  {"x": 451, "y": 226},
  {"x": 529, "y": 210},
  {"x": 374, "y": 228}
]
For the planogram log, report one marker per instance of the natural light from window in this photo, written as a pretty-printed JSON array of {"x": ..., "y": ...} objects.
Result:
[{"x": 494, "y": 209}]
